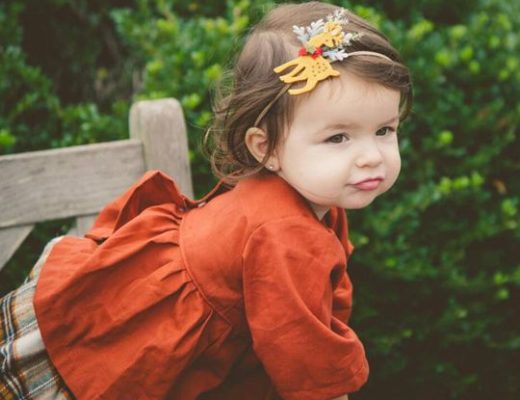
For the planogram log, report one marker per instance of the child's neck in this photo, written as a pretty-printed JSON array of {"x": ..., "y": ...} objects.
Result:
[{"x": 320, "y": 211}]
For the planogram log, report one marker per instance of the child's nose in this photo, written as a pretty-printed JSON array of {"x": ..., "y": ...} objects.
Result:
[{"x": 368, "y": 155}]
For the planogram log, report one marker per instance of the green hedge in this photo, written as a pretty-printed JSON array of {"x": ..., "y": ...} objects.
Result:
[{"x": 436, "y": 271}]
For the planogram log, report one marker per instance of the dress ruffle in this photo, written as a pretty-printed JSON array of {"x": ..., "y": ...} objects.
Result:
[{"x": 105, "y": 303}]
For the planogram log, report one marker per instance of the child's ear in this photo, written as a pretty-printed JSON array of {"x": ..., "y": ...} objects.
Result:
[{"x": 257, "y": 142}]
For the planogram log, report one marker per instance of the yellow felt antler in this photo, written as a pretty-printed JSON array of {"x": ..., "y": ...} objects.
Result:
[{"x": 331, "y": 36}]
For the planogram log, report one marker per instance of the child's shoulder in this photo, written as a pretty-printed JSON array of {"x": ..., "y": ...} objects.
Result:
[
  {"x": 267, "y": 197},
  {"x": 254, "y": 202},
  {"x": 260, "y": 208}
]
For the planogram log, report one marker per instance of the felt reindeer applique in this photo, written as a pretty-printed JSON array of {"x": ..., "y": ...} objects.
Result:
[{"x": 323, "y": 43}]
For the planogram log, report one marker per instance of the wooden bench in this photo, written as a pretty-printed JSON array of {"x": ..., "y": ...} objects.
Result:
[{"x": 78, "y": 181}]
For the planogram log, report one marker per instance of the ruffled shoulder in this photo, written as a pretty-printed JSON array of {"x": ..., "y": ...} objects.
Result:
[{"x": 154, "y": 188}]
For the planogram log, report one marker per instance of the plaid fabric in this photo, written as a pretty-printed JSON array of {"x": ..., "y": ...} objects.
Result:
[{"x": 25, "y": 369}]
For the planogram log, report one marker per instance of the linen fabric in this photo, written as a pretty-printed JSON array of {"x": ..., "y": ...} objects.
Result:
[{"x": 242, "y": 294}]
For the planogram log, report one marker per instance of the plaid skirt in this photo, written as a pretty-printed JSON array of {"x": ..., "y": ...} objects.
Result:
[{"x": 26, "y": 371}]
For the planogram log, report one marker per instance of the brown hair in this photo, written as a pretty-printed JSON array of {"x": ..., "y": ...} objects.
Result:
[{"x": 255, "y": 89}]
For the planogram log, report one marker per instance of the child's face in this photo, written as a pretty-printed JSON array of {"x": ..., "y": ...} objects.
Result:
[{"x": 343, "y": 133}]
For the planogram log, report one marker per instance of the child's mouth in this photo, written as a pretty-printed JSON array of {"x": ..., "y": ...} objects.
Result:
[{"x": 368, "y": 184}]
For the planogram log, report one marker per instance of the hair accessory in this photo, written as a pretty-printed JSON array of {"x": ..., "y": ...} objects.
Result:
[{"x": 323, "y": 44}]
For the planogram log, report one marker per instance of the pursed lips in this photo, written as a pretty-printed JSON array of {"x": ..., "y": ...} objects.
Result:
[{"x": 377, "y": 178}]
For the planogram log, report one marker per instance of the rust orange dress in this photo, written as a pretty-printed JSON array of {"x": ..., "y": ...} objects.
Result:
[{"x": 241, "y": 295}]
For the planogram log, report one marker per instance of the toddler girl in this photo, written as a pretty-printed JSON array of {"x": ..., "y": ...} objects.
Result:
[{"x": 243, "y": 294}]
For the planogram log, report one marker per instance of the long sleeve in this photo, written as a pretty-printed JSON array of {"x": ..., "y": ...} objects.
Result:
[{"x": 293, "y": 270}]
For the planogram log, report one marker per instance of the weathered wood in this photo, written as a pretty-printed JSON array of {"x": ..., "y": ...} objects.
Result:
[
  {"x": 60, "y": 183},
  {"x": 82, "y": 225},
  {"x": 78, "y": 181},
  {"x": 10, "y": 240},
  {"x": 159, "y": 124}
]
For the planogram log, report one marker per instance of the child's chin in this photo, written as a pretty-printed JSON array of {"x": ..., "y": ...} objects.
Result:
[{"x": 361, "y": 203}]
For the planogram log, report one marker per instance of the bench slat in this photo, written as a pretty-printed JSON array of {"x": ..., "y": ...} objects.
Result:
[
  {"x": 60, "y": 183},
  {"x": 82, "y": 225},
  {"x": 163, "y": 150}
]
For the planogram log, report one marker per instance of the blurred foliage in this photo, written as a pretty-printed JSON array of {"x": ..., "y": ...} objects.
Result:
[{"x": 436, "y": 269}]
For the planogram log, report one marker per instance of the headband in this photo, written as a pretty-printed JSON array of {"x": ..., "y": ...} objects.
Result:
[{"x": 323, "y": 43}]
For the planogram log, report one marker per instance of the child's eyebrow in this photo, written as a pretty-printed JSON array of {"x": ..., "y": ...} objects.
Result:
[
  {"x": 390, "y": 121},
  {"x": 341, "y": 125},
  {"x": 394, "y": 119}
]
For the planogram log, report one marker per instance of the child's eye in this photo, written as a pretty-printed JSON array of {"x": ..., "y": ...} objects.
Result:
[
  {"x": 385, "y": 131},
  {"x": 338, "y": 138}
]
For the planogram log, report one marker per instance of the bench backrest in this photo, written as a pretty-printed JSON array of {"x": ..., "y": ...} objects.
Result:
[{"x": 78, "y": 181}]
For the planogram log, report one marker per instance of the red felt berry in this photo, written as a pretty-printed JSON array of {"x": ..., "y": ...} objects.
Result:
[{"x": 317, "y": 52}]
